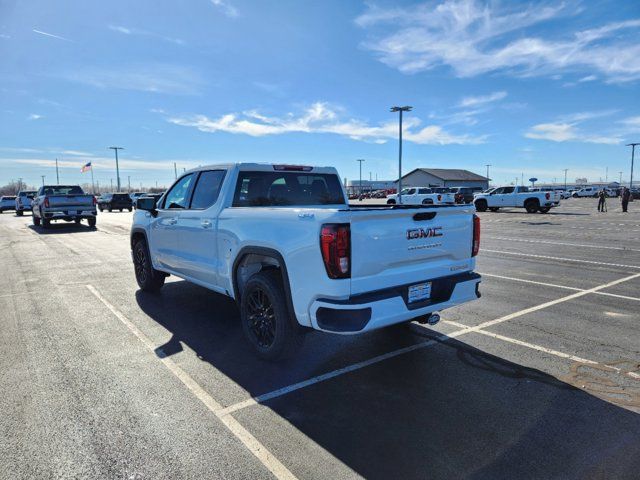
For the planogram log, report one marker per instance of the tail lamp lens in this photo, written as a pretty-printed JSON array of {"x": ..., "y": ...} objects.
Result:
[
  {"x": 475, "y": 247},
  {"x": 335, "y": 245}
]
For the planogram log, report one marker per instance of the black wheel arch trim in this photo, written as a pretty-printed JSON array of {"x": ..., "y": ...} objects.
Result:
[
  {"x": 268, "y": 252},
  {"x": 134, "y": 232}
]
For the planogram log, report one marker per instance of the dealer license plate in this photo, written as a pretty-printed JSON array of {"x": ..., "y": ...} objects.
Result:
[{"x": 419, "y": 292}]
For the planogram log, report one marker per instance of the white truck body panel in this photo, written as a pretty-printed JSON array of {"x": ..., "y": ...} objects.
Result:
[
  {"x": 516, "y": 197},
  {"x": 421, "y": 196}
]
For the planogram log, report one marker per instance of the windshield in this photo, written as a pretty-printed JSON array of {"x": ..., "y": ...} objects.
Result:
[{"x": 63, "y": 190}]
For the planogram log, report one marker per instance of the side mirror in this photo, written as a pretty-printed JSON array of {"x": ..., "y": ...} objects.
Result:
[{"x": 147, "y": 203}]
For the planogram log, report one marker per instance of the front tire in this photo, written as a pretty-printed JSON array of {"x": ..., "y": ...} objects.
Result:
[
  {"x": 544, "y": 209},
  {"x": 494, "y": 209},
  {"x": 46, "y": 223},
  {"x": 92, "y": 222},
  {"x": 267, "y": 323},
  {"x": 19, "y": 213},
  {"x": 36, "y": 221},
  {"x": 391, "y": 202},
  {"x": 149, "y": 279}
]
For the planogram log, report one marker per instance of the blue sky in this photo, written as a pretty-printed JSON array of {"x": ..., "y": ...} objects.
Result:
[{"x": 529, "y": 88}]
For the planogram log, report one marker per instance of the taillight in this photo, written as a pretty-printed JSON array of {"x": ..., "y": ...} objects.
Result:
[
  {"x": 547, "y": 195},
  {"x": 46, "y": 202},
  {"x": 439, "y": 198},
  {"x": 335, "y": 244},
  {"x": 475, "y": 248}
]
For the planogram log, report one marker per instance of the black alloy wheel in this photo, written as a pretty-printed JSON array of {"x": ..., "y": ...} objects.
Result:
[{"x": 262, "y": 318}]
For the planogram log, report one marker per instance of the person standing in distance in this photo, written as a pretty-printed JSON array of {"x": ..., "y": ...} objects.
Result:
[
  {"x": 602, "y": 201},
  {"x": 624, "y": 198}
]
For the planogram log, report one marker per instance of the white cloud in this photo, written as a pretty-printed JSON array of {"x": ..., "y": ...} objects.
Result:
[
  {"x": 474, "y": 38},
  {"x": 157, "y": 78},
  {"x": 588, "y": 78},
  {"x": 631, "y": 124},
  {"x": 482, "y": 99},
  {"x": 34, "y": 116},
  {"x": 322, "y": 118},
  {"x": 2, "y": 35},
  {"x": 226, "y": 8},
  {"x": 566, "y": 132},
  {"x": 107, "y": 163},
  {"x": 144, "y": 33},
  {"x": 77, "y": 153},
  {"x": 40, "y": 32}
]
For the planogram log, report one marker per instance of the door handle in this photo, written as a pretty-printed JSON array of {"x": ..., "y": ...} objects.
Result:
[
  {"x": 205, "y": 224},
  {"x": 172, "y": 221}
]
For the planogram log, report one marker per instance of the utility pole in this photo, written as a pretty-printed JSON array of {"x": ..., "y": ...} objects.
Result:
[
  {"x": 57, "y": 175},
  {"x": 111, "y": 179},
  {"x": 565, "y": 179},
  {"x": 406, "y": 108},
  {"x": 115, "y": 149},
  {"x": 175, "y": 170},
  {"x": 43, "y": 179},
  {"x": 620, "y": 182},
  {"x": 370, "y": 177},
  {"x": 129, "y": 182},
  {"x": 606, "y": 175},
  {"x": 360, "y": 160},
  {"x": 488, "y": 165},
  {"x": 633, "y": 151}
]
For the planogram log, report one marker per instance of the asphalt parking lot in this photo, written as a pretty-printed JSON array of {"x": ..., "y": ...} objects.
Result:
[{"x": 540, "y": 378}]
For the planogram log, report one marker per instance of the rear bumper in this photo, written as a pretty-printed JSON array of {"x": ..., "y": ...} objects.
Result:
[
  {"x": 382, "y": 308},
  {"x": 69, "y": 214}
]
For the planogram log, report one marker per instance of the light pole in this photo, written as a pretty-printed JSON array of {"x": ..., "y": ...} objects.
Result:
[
  {"x": 57, "y": 175},
  {"x": 565, "y": 179},
  {"x": 633, "y": 151},
  {"x": 488, "y": 165},
  {"x": 360, "y": 160},
  {"x": 406, "y": 108},
  {"x": 175, "y": 170},
  {"x": 620, "y": 182},
  {"x": 43, "y": 179},
  {"x": 115, "y": 149}
]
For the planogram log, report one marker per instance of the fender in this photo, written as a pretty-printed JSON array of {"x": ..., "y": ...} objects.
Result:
[
  {"x": 268, "y": 252},
  {"x": 136, "y": 230}
]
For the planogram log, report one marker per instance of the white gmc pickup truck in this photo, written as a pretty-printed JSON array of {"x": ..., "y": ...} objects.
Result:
[
  {"x": 518, "y": 197},
  {"x": 284, "y": 243},
  {"x": 421, "y": 196}
]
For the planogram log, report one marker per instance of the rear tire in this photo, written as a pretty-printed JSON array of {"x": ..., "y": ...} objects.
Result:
[
  {"x": 544, "y": 209},
  {"x": 494, "y": 209},
  {"x": 267, "y": 323},
  {"x": 36, "y": 221},
  {"x": 531, "y": 206},
  {"x": 46, "y": 223},
  {"x": 77, "y": 221},
  {"x": 427, "y": 201},
  {"x": 481, "y": 205},
  {"x": 110, "y": 209},
  {"x": 391, "y": 202},
  {"x": 92, "y": 222},
  {"x": 19, "y": 213},
  {"x": 149, "y": 279}
]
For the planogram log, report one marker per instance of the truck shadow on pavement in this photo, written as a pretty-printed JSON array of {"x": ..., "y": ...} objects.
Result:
[
  {"x": 58, "y": 228},
  {"x": 447, "y": 411}
]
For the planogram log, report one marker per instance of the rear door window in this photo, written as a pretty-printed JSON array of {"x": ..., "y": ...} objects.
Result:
[{"x": 264, "y": 189}]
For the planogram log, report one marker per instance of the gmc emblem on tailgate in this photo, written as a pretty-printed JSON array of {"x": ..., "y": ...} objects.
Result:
[{"x": 414, "y": 233}]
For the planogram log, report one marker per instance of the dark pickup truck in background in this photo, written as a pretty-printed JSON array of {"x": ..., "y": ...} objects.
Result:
[{"x": 115, "y": 201}]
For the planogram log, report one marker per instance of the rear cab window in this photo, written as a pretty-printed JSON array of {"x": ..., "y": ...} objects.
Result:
[{"x": 268, "y": 189}]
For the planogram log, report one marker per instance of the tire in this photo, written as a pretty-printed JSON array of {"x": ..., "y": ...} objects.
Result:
[
  {"x": 19, "y": 213},
  {"x": 46, "y": 223},
  {"x": 267, "y": 323},
  {"x": 544, "y": 209},
  {"x": 427, "y": 201},
  {"x": 494, "y": 209},
  {"x": 575, "y": 195},
  {"x": 120, "y": 210},
  {"x": 391, "y": 202},
  {"x": 130, "y": 209},
  {"x": 149, "y": 279},
  {"x": 77, "y": 221},
  {"x": 92, "y": 222},
  {"x": 481, "y": 205},
  {"x": 102, "y": 209},
  {"x": 36, "y": 221},
  {"x": 110, "y": 209},
  {"x": 531, "y": 206}
]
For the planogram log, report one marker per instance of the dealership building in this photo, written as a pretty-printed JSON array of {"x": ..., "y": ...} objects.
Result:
[{"x": 443, "y": 177}]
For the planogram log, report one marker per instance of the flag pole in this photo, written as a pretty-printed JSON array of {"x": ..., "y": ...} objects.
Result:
[{"x": 93, "y": 187}]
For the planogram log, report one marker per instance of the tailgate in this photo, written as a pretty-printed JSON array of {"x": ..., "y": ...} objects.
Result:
[
  {"x": 399, "y": 247},
  {"x": 70, "y": 200}
]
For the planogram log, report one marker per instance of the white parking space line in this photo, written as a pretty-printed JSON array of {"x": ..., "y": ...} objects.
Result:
[
  {"x": 581, "y": 245},
  {"x": 458, "y": 333},
  {"x": 249, "y": 441},
  {"x": 546, "y": 257},
  {"x": 534, "y": 282}
]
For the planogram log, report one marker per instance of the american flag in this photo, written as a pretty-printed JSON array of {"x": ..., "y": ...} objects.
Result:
[{"x": 86, "y": 167}]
